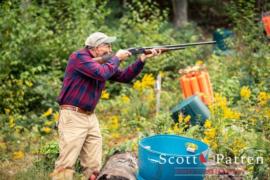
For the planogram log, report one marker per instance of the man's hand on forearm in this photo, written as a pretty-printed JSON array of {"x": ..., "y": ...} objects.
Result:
[
  {"x": 122, "y": 54},
  {"x": 155, "y": 52}
]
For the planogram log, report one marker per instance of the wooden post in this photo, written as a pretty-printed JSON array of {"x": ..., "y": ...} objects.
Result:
[{"x": 158, "y": 91}]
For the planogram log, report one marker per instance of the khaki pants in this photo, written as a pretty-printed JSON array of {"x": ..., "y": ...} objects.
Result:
[{"x": 79, "y": 137}]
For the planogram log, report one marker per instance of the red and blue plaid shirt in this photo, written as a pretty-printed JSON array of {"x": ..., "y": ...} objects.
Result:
[{"x": 85, "y": 78}]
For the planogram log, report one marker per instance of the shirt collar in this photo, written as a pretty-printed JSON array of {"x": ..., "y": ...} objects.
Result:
[{"x": 87, "y": 51}]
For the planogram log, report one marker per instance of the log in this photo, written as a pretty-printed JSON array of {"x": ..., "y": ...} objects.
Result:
[{"x": 122, "y": 166}]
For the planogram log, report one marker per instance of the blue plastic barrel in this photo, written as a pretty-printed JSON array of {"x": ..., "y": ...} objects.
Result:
[
  {"x": 194, "y": 107},
  {"x": 222, "y": 36},
  {"x": 165, "y": 157}
]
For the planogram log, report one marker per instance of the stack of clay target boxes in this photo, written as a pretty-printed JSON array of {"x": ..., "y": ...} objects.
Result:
[{"x": 196, "y": 81}]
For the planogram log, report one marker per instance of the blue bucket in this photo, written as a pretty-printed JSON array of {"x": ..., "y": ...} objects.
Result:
[
  {"x": 166, "y": 157},
  {"x": 194, "y": 107}
]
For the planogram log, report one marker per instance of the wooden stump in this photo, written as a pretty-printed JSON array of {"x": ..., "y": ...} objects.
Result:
[{"x": 120, "y": 167}]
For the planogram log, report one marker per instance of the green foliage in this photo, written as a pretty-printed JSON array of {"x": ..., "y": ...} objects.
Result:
[
  {"x": 37, "y": 38},
  {"x": 49, "y": 153},
  {"x": 252, "y": 48}
]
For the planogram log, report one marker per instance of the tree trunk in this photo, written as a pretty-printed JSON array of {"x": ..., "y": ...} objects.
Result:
[
  {"x": 120, "y": 167},
  {"x": 180, "y": 16}
]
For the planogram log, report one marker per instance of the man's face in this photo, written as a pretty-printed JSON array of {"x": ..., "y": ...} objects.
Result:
[{"x": 103, "y": 49}]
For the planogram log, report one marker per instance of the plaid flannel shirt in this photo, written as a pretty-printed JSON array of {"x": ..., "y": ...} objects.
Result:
[{"x": 85, "y": 78}]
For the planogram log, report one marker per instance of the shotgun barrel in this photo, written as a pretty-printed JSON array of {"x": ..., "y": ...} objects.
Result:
[
  {"x": 182, "y": 45},
  {"x": 147, "y": 50}
]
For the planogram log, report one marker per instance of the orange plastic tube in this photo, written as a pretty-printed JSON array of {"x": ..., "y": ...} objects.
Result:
[
  {"x": 266, "y": 23},
  {"x": 195, "y": 86},
  {"x": 204, "y": 88},
  {"x": 185, "y": 84},
  {"x": 182, "y": 87},
  {"x": 209, "y": 85}
]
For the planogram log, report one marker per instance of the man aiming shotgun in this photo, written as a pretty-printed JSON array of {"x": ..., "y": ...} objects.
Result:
[
  {"x": 84, "y": 80},
  {"x": 86, "y": 73}
]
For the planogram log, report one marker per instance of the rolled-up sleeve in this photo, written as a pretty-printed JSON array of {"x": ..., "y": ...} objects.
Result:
[
  {"x": 87, "y": 66},
  {"x": 126, "y": 75}
]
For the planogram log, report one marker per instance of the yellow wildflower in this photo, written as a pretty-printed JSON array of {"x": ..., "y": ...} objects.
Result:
[
  {"x": 253, "y": 121},
  {"x": 238, "y": 145},
  {"x": 115, "y": 135},
  {"x": 245, "y": 92},
  {"x": 206, "y": 140},
  {"x": 187, "y": 119},
  {"x": 3, "y": 146},
  {"x": 268, "y": 112},
  {"x": 105, "y": 95},
  {"x": 212, "y": 108},
  {"x": 18, "y": 155},
  {"x": 210, "y": 133},
  {"x": 47, "y": 113},
  {"x": 230, "y": 114},
  {"x": 176, "y": 129},
  {"x": 220, "y": 101},
  {"x": 134, "y": 146},
  {"x": 114, "y": 122},
  {"x": 199, "y": 62},
  {"x": 263, "y": 98},
  {"x": 11, "y": 121},
  {"x": 28, "y": 83},
  {"x": 225, "y": 136},
  {"x": 148, "y": 80},
  {"x": 48, "y": 123},
  {"x": 207, "y": 124},
  {"x": 56, "y": 116},
  {"x": 7, "y": 111},
  {"x": 214, "y": 145},
  {"x": 170, "y": 131},
  {"x": 125, "y": 99},
  {"x": 137, "y": 85},
  {"x": 180, "y": 118},
  {"x": 210, "y": 142},
  {"x": 46, "y": 130}
]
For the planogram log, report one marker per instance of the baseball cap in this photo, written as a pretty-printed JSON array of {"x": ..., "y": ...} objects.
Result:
[{"x": 98, "y": 38}]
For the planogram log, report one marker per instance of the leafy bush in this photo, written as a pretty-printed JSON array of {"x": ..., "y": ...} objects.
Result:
[{"x": 37, "y": 38}]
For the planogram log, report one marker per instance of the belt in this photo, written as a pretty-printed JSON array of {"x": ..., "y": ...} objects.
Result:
[{"x": 77, "y": 109}]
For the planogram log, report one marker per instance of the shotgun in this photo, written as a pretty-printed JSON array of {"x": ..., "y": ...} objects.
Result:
[{"x": 147, "y": 50}]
